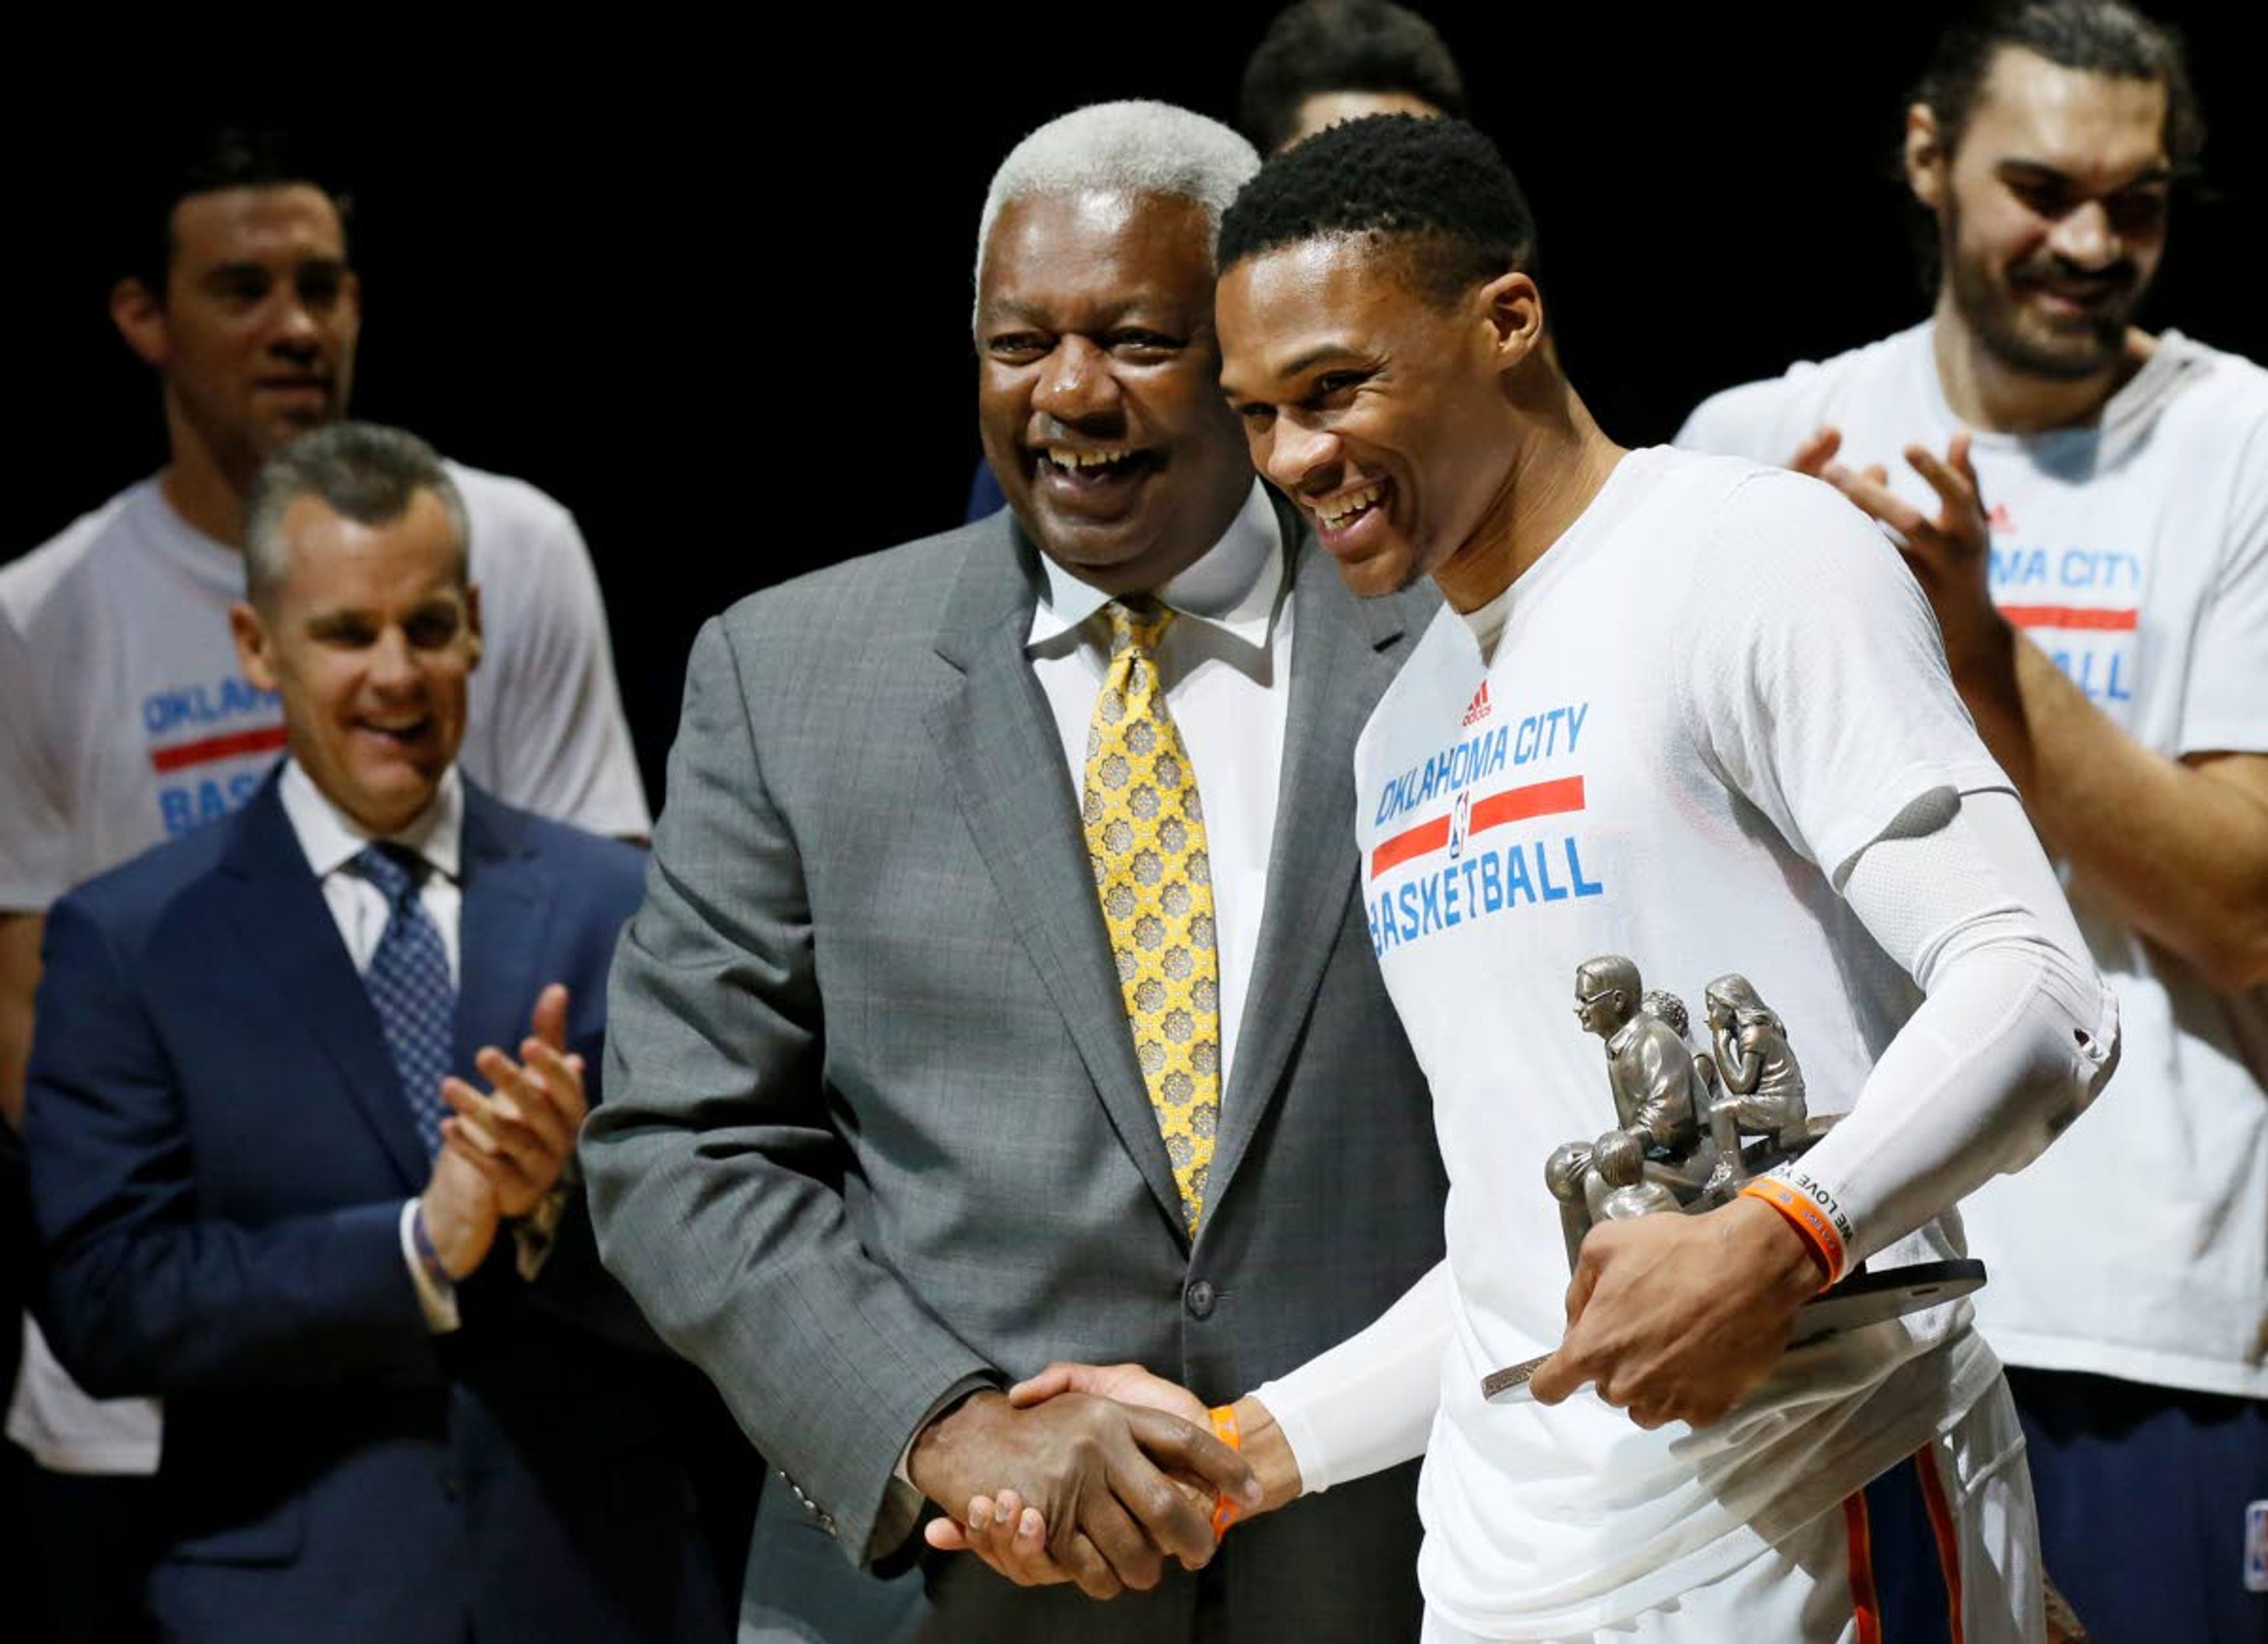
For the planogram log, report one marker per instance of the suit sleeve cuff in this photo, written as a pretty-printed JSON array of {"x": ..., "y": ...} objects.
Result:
[
  {"x": 436, "y": 1296},
  {"x": 902, "y": 1502}
]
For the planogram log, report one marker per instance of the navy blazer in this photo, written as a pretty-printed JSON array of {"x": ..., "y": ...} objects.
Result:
[{"x": 220, "y": 1150}]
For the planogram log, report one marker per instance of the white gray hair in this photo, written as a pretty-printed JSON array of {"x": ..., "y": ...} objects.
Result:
[
  {"x": 368, "y": 472},
  {"x": 1129, "y": 148}
]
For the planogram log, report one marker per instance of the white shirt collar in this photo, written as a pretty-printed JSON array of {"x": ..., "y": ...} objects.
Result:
[
  {"x": 332, "y": 838},
  {"x": 1236, "y": 585}
]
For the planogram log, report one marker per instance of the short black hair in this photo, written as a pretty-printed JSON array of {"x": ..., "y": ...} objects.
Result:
[
  {"x": 1439, "y": 186},
  {"x": 2105, "y": 37},
  {"x": 208, "y": 161},
  {"x": 1319, "y": 46}
]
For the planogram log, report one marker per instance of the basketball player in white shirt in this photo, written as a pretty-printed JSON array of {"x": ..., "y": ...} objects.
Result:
[{"x": 1690, "y": 710}]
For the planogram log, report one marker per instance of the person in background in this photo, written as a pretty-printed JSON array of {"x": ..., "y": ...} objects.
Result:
[
  {"x": 1322, "y": 62},
  {"x": 129, "y": 720},
  {"x": 2085, "y": 502},
  {"x": 402, "y": 1398}
]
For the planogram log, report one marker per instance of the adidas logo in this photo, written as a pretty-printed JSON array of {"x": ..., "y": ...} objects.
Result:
[{"x": 1479, "y": 708}]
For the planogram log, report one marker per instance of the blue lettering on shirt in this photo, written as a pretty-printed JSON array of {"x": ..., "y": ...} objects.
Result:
[
  {"x": 232, "y": 697},
  {"x": 188, "y": 806},
  {"x": 1488, "y": 883}
]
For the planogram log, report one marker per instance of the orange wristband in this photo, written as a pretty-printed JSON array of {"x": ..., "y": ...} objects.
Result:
[
  {"x": 1809, "y": 1216},
  {"x": 1225, "y": 1430}
]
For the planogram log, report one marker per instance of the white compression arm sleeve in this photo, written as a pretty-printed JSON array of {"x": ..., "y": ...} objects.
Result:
[
  {"x": 2016, "y": 1036},
  {"x": 1368, "y": 1403}
]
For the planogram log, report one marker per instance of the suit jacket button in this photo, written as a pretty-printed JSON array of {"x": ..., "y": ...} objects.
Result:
[
  {"x": 1198, "y": 1299},
  {"x": 453, "y": 1485}
]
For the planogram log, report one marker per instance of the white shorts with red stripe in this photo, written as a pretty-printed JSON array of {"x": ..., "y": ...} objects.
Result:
[{"x": 1944, "y": 1547}]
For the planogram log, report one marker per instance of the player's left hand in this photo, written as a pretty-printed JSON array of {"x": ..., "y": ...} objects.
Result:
[
  {"x": 1950, "y": 554},
  {"x": 1676, "y": 1317}
]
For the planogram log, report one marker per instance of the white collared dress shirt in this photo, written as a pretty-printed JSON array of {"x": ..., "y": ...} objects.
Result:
[{"x": 332, "y": 839}]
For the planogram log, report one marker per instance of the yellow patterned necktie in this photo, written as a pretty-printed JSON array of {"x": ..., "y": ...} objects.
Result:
[{"x": 1146, "y": 836}]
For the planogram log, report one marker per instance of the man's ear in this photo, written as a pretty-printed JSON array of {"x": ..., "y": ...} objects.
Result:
[
  {"x": 140, "y": 316},
  {"x": 1927, "y": 160},
  {"x": 250, "y": 634},
  {"x": 1513, "y": 308}
]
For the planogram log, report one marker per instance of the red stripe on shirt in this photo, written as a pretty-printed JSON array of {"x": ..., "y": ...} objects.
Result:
[
  {"x": 1940, "y": 1525},
  {"x": 1426, "y": 836},
  {"x": 182, "y": 755},
  {"x": 1556, "y": 797},
  {"x": 1866, "y": 1609},
  {"x": 1539, "y": 799},
  {"x": 2069, "y": 617}
]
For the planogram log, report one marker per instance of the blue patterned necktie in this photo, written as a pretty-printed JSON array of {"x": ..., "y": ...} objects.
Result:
[{"x": 409, "y": 982}]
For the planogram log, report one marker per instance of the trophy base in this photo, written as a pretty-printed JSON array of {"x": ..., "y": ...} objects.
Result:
[{"x": 1864, "y": 1298}]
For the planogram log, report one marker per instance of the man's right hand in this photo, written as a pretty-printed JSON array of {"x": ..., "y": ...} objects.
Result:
[
  {"x": 1096, "y": 1471},
  {"x": 461, "y": 1213}
]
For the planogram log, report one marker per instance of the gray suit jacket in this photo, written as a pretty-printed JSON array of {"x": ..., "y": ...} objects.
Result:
[{"x": 875, "y": 1126}]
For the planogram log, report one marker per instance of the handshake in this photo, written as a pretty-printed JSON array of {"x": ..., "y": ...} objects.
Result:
[{"x": 1095, "y": 1474}]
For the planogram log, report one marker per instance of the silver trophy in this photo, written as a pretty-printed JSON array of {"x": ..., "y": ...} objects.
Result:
[{"x": 1691, "y": 1127}]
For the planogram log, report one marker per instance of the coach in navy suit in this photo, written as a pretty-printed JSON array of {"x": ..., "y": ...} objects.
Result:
[{"x": 282, "y": 1185}]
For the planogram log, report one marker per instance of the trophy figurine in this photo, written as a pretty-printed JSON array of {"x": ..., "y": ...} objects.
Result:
[
  {"x": 1662, "y": 1152},
  {"x": 1691, "y": 1125},
  {"x": 1763, "y": 1085}
]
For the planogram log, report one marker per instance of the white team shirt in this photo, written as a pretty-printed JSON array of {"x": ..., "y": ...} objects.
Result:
[
  {"x": 2135, "y": 553},
  {"x": 1714, "y": 691},
  {"x": 129, "y": 724}
]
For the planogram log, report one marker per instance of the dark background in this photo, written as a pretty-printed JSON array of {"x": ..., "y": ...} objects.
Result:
[{"x": 710, "y": 287}]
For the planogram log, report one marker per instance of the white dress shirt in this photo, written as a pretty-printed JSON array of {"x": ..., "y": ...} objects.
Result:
[
  {"x": 332, "y": 839},
  {"x": 1226, "y": 666}
]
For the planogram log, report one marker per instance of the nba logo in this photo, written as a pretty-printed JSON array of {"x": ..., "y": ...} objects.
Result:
[
  {"x": 2256, "y": 1547},
  {"x": 1460, "y": 818}
]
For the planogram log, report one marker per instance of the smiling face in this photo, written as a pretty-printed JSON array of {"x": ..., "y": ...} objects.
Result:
[
  {"x": 2051, "y": 212},
  {"x": 1097, "y": 384},
  {"x": 255, "y": 333},
  {"x": 1381, "y": 414},
  {"x": 369, "y": 636}
]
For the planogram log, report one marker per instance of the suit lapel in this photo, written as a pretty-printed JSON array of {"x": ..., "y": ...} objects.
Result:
[
  {"x": 1003, "y": 763},
  {"x": 280, "y": 917},
  {"x": 1344, "y": 653},
  {"x": 500, "y": 933}
]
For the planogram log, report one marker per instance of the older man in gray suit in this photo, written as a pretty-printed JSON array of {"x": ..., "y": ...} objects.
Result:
[{"x": 1001, "y": 995}]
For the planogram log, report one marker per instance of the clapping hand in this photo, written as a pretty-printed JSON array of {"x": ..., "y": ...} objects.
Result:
[{"x": 521, "y": 1134}]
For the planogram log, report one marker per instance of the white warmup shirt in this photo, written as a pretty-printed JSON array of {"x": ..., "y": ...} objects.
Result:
[
  {"x": 1714, "y": 691},
  {"x": 2135, "y": 553},
  {"x": 130, "y": 724}
]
